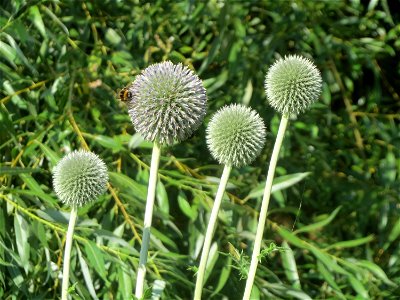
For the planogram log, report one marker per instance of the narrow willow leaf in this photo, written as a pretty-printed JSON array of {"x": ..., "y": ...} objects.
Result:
[
  {"x": 20, "y": 54},
  {"x": 289, "y": 265},
  {"x": 212, "y": 259},
  {"x": 124, "y": 283},
  {"x": 329, "y": 261},
  {"x": 320, "y": 224},
  {"x": 280, "y": 183},
  {"x": 86, "y": 274},
  {"x": 158, "y": 288},
  {"x": 163, "y": 238},
  {"x": 37, "y": 20},
  {"x": 358, "y": 287},
  {"x": 376, "y": 270},
  {"x": 128, "y": 185},
  {"x": 21, "y": 228},
  {"x": 162, "y": 199},
  {"x": 255, "y": 293},
  {"x": 95, "y": 259},
  {"x": 17, "y": 170},
  {"x": 51, "y": 155},
  {"x": 40, "y": 233},
  {"x": 224, "y": 276},
  {"x": 55, "y": 19},
  {"x": 8, "y": 53},
  {"x": 328, "y": 276},
  {"x": 34, "y": 186},
  {"x": 109, "y": 142},
  {"x": 393, "y": 235},
  {"x": 185, "y": 206},
  {"x": 351, "y": 243},
  {"x": 115, "y": 240}
]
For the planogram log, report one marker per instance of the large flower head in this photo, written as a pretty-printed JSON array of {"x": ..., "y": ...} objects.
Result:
[
  {"x": 292, "y": 84},
  {"x": 168, "y": 103},
  {"x": 79, "y": 178},
  {"x": 236, "y": 135}
]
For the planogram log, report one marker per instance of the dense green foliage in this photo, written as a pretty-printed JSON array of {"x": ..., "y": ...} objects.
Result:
[{"x": 336, "y": 199}]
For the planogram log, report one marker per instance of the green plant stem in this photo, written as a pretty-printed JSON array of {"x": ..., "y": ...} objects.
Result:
[
  {"x": 210, "y": 232},
  {"x": 264, "y": 208},
  {"x": 151, "y": 192},
  {"x": 67, "y": 252}
]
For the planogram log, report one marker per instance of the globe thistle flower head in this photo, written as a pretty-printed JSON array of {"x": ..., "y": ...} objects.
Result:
[
  {"x": 168, "y": 103},
  {"x": 79, "y": 178},
  {"x": 292, "y": 84},
  {"x": 236, "y": 135}
]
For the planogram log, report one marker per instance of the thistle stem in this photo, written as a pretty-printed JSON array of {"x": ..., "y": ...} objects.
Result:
[
  {"x": 264, "y": 207},
  {"x": 67, "y": 252},
  {"x": 210, "y": 232},
  {"x": 151, "y": 191}
]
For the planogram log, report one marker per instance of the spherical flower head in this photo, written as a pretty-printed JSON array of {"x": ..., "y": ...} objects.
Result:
[
  {"x": 236, "y": 135},
  {"x": 168, "y": 103},
  {"x": 292, "y": 84},
  {"x": 79, "y": 178}
]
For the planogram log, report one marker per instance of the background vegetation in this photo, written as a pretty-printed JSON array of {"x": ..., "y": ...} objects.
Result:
[{"x": 336, "y": 203}]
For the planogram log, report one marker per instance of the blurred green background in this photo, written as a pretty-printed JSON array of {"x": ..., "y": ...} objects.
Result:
[{"x": 336, "y": 205}]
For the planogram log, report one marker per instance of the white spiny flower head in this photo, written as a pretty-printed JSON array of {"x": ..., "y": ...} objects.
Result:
[
  {"x": 79, "y": 178},
  {"x": 168, "y": 103},
  {"x": 236, "y": 135},
  {"x": 292, "y": 84}
]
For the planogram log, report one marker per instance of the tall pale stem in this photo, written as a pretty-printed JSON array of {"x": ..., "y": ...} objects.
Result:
[
  {"x": 67, "y": 253},
  {"x": 151, "y": 191},
  {"x": 264, "y": 208},
  {"x": 210, "y": 232}
]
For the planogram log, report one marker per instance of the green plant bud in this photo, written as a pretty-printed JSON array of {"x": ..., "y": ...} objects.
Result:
[
  {"x": 168, "y": 103},
  {"x": 236, "y": 135},
  {"x": 292, "y": 84},
  {"x": 79, "y": 178}
]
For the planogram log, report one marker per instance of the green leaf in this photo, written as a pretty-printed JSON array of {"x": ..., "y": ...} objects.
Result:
[
  {"x": 37, "y": 20},
  {"x": 34, "y": 186},
  {"x": 108, "y": 142},
  {"x": 21, "y": 228},
  {"x": 185, "y": 206},
  {"x": 393, "y": 235},
  {"x": 211, "y": 261},
  {"x": 86, "y": 274},
  {"x": 8, "y": 53},
  {"x": 128, "y": 185},
  {"x": 328, "y": 276},
  {"x": 17, "y": 170},
  {"x": 224, "y": 276},
  {"x": 280, "y": 183},
  {"x": 157, "y": 290},
  {"x": 125, "y": 283},
  {"x": 162, "y": 198},
  {"x": 358, "y": 287},
  {"x": 320, "y": 224},
  {"x": 351, "y": 243},
  {"x": 376, "y": 270},
  {"x": 51, "y": 155},
  {"x": 95, "y": 258},
  {"x": 55, "y": 19},
  {"x": 289, "y": 265}
]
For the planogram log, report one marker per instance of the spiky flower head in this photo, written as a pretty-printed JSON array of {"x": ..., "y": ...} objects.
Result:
[
  {"x": 79, "y": 178},
  {"x": 236, "y": 135},
  {"x": 168, "y": 103},
  {"x": 292, "y": 84}
]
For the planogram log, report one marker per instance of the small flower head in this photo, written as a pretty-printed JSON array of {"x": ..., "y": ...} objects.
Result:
[
  {"x": 168, "y": 103},
  {"x": 235, "y": 135},
  {"x": 292, "y": 84},
  {"x": 79, "y": 178}
]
